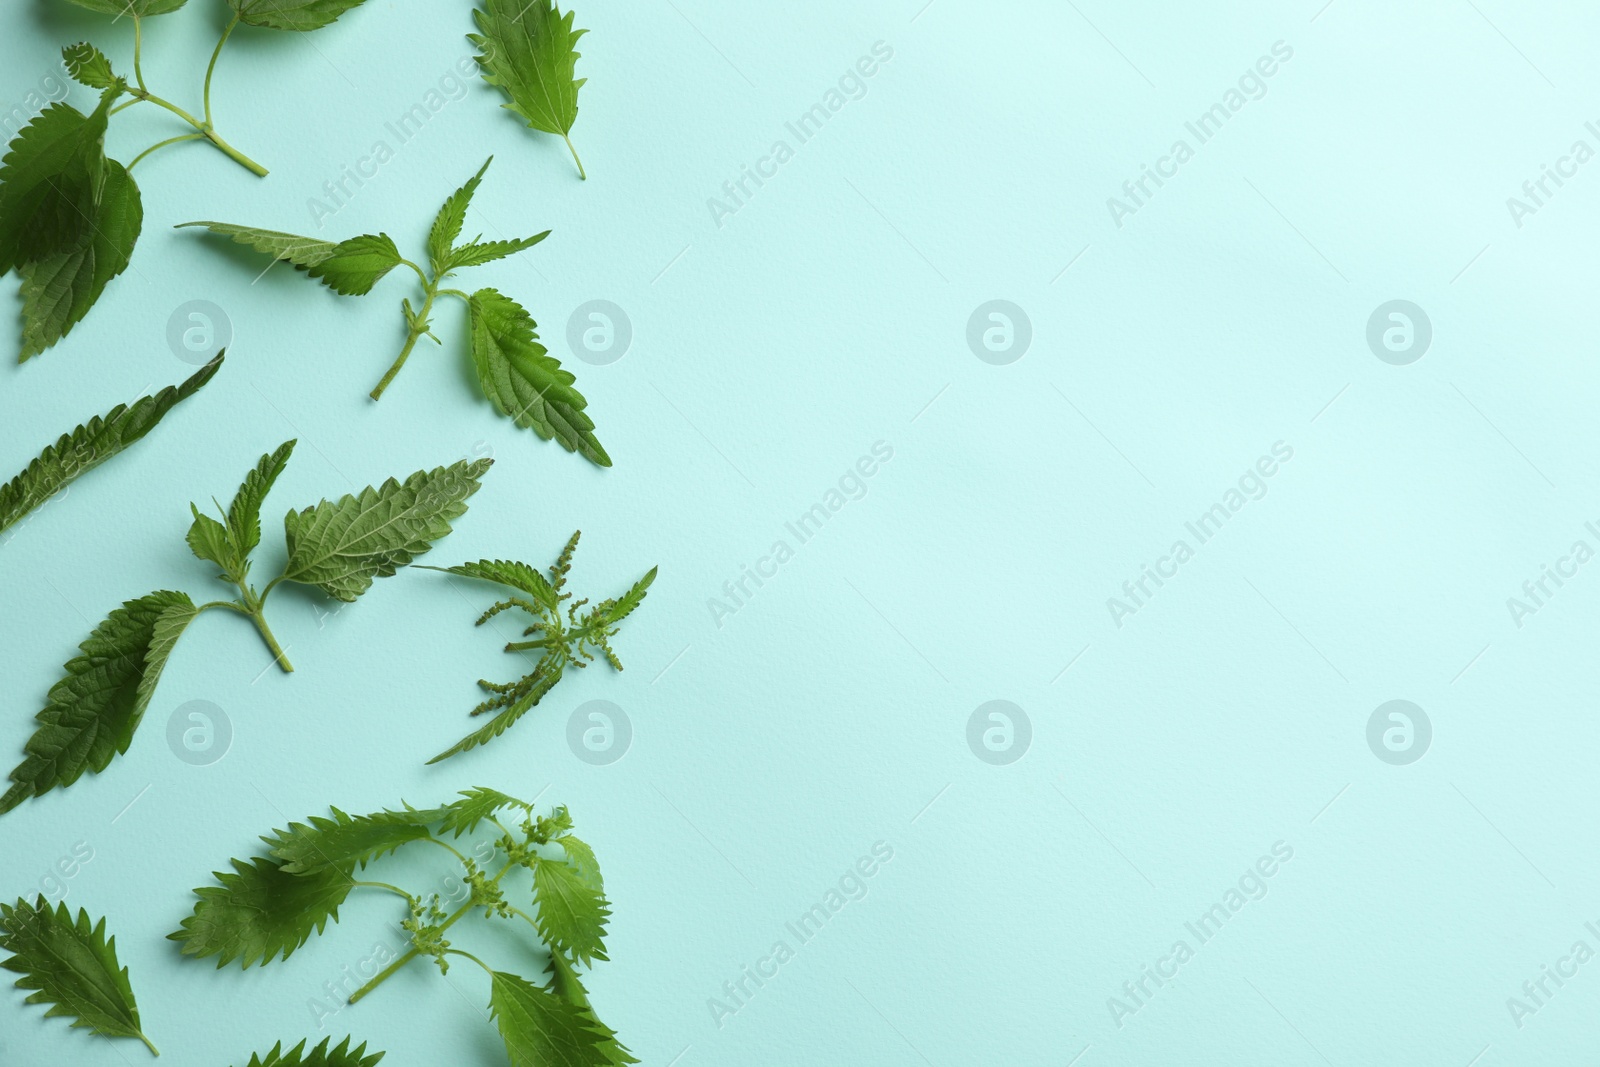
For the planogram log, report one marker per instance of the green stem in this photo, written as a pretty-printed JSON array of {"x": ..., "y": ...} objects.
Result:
[
  {"x": 138, "y": 47},
  {"x": 147, "y": 1044},
  {"x": 212, "y": 66},
  {"x": 205, "y": 129},
  {"x": 581, "y": 175},
  {"x": 396, "y": 890},
  {"x": 451, "y": 848},
  {"x": 459, "y": 952},
  {"x": 163, "y": 144},
  {"x": 252, "y": 607},
  {"x": 412, "y": 336}
]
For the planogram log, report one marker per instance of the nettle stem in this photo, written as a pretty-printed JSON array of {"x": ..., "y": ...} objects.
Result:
[
  {"x": 581, "y": 175},
  {"x": 417, "y": 328},
  {"x": 253, "y": 605}
]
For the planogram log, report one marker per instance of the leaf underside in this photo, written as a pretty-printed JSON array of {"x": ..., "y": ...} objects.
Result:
[
  {"x": 70, "y": 965},
  {"x": 291, "y": 14},
  {"x": 340, "y": 1055},
  {"x": 529, "y": 51}
]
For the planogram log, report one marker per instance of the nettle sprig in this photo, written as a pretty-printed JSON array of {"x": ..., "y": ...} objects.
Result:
[
  {"x": 70, "y": 216},
  {"x": 337, "y": 546},
  {"x": 561, "y": 637},
  {"x": 517, "y": 373},
  {"x": 270, "y": 905},
  {"x": 529, "y": 51}
]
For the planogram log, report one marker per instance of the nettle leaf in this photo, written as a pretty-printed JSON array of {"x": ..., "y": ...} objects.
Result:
[
  {"x": 260, "y": 912},
  {"x": 582, "y": 858},
  {"x": 340, "y": 1055},
  {"x": 477, "y": 253},
  {"x": 50, "y": 182},
  {"x": 303, "y": 253},
  {"x": 529, "y": 50},
  {"x": 475, "y": 806},
  {"x": 89, "y": 66},
  {"x": 523, "y": 381},
  {"x": 539, "y": 1028},
  {"x": 357, "y": 265},
  {"x": 291, "y": 14},
  {"x": 343, "y": 842},
  {"x": 131, "y": 7},
  {"x": 564, "y": 983},
  {"x": 452, "y": 216},
  {"x": 341, "y": 546},
  {"x": 572, "y": 911},
  {"x": 71, "y": 966},
  {"x": 59, "y": 289},
  {"x": 244, "y": 514},
  {"x": 94, "y": 710},
  {"x": 510, "y": 703},
  {"x": 91, "y": 444},
  {"x": 208, "y": 540}
]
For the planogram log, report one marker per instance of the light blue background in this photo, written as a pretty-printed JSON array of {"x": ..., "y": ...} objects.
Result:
[{"x": 830, "y": 713}]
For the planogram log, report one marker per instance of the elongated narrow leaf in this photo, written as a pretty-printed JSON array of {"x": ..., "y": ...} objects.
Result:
[
  {"x": 291, "y": 14},
  {"x": 131, "y": 7},
  {"x": 477, "y": 253},
  {"x": 71, "y": 966},
  {"x": 303, "y": 252},
  {"x": 96, "y": 707},
  {"x": 357, "y": 265},
  {"x": 59, "y": 289},
  {"x": 343, "y": 842},
  {"x": 510, "y": 703},
  {"x": 530, "y": 51},
  {"x": 91, "y": 444},
  {"x": 541, "y": 1029},
  {"x": 572, "y": 911},
  {"x": 341, "y": 546},
  {"x": 523, "y": 381},
  {"x": 477, "y": 804},
  {"x": 452, "y": 216},
  {"x": 244, "y": 514},
  {"x": 89, "y": 66},
  {"x": 508, "y": 573},
  {"x": 340, "y": 1055},
  {"x": 617, "y": 610},
  {"x": 260, "y": 912}
]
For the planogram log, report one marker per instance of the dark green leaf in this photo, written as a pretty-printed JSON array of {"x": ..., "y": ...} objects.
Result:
[
  {"x": 260, "y": 912},
  {"x": 89, "y": 66},
  {"x": 358, "y": 264},
  {"x": 92, "y": 444},
  {"x": 244, "y": 514},
  {"x": 477, "y": 253},
  {"x": 291, "y": 14},
  {"x": 530, "y": 51},
  {"x": 340, "y": 1055},
  {"x": 342, "y": 842},
  {"x": 71, "y": 966},
  {"x": 540, "y": 1029},
  {"x": 303, "y": 252},
  {"x": 523, "y": 381},
  {"x": 50, "y": 183},
  {"x": 341, "y": 546},
  {"x": 564, "y": 983},
  {"x": 447, "y": 225},
  {"x": 96, "y": 707},
  {"x": 208, "y": 540},
  {"x": 476, "y": 805},
  {"x": 131, "y": 7},
  {"x": 508, "y": 573}
]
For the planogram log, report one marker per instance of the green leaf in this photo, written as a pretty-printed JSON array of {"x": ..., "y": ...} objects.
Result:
[
  {"x": 452, "y": 216},
  {"x": 512, "y": 701},
  {"x": 614, "y": 611},
  {"x": 572, "y": 911},
  {"x": 89, "y": 66},
  {"x": 340, "y": 1055},
  {"x": 477, "y": 253},
  {"x": 303, "y": 253},
  {"x": 244, "y": 514},
  {"x": 131, "y": 7},
  {"x": 357, "y": 265},
  {"x": 477, "y": 804},
  {"x": 340, "y": 547},
  {"x": 583, "y": 860},
  {"x": 540, "y": 1029},
  {"x": 530, "y": 51},
  {"x": 342, "y": 842},
  {"x": 94, "y": 710},
  {"x": 91, "y": 444},
  {"x": 291, "y": 14},
  {"x": 208, "y": 540},
  {"x": 564, "y": 983},
  {"x": 50, "y": 183},
  {"x": 71, "y": 966},
  {"x": 523, "y": 381},
  {"x": 508, "y": 573},
  {"x": 59, "y": 289},
  {"x": 261, "y": 912}
]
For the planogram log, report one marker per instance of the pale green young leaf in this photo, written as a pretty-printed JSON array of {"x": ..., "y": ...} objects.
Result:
[
  {"x": 611, "y": 612},
  {"x": 340, "y": 1055},
  {"x": 50, "y": 183},
  {"x": 572, "y": 911},
  {"x": 291, "y": 14},
  {"x": 141, "y": 8},
  {"x": 343, "y": 842},
  {"x": 71, "y": 966},
  {"x": 303, "y": 253},
  {"x": 59, "y": 289},
  {"x": 523, "y": 381},
  {"x": 529, "y": 50},
  {"x": 95, "y": 708},
  {"x": 583, "y": 860},
  {"x": 89, "y": 66},
  {"x": 541, "y": 1029},
  {"x": 358, "y": 264},
  {"x": 244, "y": 514},
  {"x": 91, "y": 444},
  {"x": 452, "y": 216},
  {"x": 564, "y": 983},
  {"x": 341, "y": 546},
  {"x": 476, "y": 804},
  {"x": 259, "y": 912},
  {"x": 477, "y": 253},
  {"x": 509, "y": 703}
]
